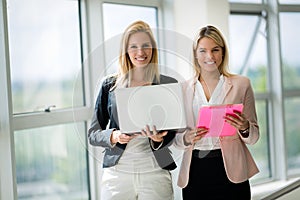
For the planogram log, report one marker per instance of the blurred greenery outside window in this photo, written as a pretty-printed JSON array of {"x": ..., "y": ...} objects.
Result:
[
  {"x": 291, "y": 87},
  {"x": 248, "y": 56},
  {"x": 51, "y": 162},
  {"x": 45, "y": 65},
  {"x": 45, "y": 55}
]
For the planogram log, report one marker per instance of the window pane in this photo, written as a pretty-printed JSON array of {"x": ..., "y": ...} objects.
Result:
[
  {"x": 260, "y": 150},
  {"x": 245, "y": 1},
  {"x": 114, "y": 27},
  {"x": 289, "y": 1},
  {"x": 290, "y": 49},
  {"x": 248, "y": 54},
  {"x": 44, "y": 39},
  {"x": 51, "y": 163},
  {"x": 112, "y": 13},
  {"x": 292, "y": 121}
]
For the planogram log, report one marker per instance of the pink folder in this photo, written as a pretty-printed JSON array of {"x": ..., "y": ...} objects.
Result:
[{"x": 212, "y": 117}]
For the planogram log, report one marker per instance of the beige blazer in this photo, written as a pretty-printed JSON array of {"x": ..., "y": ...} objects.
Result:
[{"x": 239, "y": 164}]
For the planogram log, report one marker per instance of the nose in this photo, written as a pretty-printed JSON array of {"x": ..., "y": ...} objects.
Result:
[
  {"x": 209, "y": 55},
  {"x": 140, "y": 51}
]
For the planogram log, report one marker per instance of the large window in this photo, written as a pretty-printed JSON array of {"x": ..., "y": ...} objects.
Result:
[
  {"x": 249, "y": 57},
  {"x": 51, "y": 163},
  {"x": 289, "y": 49},
  {"x": 47, "y": 88},
  {"x": 249, "y": 53},
  {"x": 291, "y": 83},
  {"x": 277, "y": 152},
  {"x": 44, "y": 54}
]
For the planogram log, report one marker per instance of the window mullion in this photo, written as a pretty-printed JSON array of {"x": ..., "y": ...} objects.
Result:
[
  {"x": 276, "y": 130},
  {"x": 8, "y": 188}
]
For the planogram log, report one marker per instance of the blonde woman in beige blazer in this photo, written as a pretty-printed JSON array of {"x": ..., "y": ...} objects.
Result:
[{"x": 216, "y": 167}]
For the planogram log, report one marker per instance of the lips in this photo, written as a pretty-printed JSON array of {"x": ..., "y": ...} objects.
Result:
[{"x": 141, "y": 59}]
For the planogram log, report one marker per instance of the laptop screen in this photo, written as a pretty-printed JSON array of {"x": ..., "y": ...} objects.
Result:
[{"x": 159, "y": 105}]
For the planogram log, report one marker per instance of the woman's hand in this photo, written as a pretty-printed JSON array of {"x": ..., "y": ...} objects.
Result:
[
  {"x": 194, "y": 135},
  {"x": 238, "y": 120},
  {"x": 154, "y": 135},
  {"x": 122, "y": 138}
]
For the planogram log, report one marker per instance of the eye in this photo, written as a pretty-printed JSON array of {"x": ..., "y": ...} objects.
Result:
[
  {"x": 146, "y": 46},
  {"x": 201, "y": 51},
  {"x": 132, "y": 47},
  {"x": 217, "y": 49}
]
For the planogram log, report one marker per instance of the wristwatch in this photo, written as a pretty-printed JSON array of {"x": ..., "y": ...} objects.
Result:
[{"x": 244, "y": 133}]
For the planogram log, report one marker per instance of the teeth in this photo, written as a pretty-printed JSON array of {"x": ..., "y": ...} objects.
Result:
[
  {"x": 140, "y": 59},
  {"x": 210, "y": 63}
]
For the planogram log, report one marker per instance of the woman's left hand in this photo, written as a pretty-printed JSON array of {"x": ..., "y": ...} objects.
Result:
[
  {"x": 154, "y": 135},
  {"x": 238, "y": 120}
]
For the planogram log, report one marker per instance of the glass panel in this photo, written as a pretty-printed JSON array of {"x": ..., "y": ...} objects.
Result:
[
  {"x": 289, "y": 1},
  {"x": 114, "y": 27},
  {"x": 289, "y": 34},
  {"x": 292, "y": 110},
  {"x": 248, "y": 54},
  {"x": 260, "y": 150},
  {"x": 44, "y": 39},
  {"x": 245, "y": 1},
  {"x": 51, "y": 163},
  {"x": 112, "y": 13}
]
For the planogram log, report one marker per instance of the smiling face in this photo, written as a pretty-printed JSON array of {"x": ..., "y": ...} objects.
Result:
[
  {"x": 209, "y": 55},
  {"x": 139, "y": 49}
]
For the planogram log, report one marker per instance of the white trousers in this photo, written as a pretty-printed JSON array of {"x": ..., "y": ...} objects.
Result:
[{"x": 124, "y": 185}]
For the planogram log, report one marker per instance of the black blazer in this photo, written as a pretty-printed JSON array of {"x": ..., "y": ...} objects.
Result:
[{"x": 105, "y": 120}]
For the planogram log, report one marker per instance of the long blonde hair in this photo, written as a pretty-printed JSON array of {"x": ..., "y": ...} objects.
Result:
[
  {"x": 216, "y": 35},
  {"x": 125, "y": 64}
]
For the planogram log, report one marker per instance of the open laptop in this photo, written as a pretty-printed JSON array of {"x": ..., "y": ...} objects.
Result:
[{"x": 159, "y": 105}]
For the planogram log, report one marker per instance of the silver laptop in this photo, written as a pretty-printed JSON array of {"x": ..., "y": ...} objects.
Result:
[{"x": 159, "y": 105}]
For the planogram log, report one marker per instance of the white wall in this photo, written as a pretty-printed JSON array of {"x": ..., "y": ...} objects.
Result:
[
  {"x": 190, "y": 15},
  {"x": 185, "y": 18}
]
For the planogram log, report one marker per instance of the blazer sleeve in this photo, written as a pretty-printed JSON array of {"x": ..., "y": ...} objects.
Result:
[
  {"x": 250, "y": 114},
  {"x": 98, "y": 135}
]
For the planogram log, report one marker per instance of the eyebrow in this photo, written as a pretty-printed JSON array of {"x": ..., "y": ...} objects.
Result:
[
  {"x": 134, "y": 43},
  {"x": 216, "y": 47}
]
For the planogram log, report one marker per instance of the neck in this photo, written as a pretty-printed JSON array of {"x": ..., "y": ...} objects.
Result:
[
  {"x": 211, "y": 76},
  {"x": 138, "y": 74},
  {"x": 209, "y": 82}
]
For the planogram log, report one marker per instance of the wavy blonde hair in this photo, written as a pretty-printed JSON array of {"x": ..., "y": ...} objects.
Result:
[
  {"x": 125, "y": 64},
  {"x": 216, "y": 35}
]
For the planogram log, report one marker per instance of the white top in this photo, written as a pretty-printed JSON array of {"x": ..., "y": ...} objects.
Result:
[
  {"x": 217, "y": 97},
  {"x": 138, "y": 157}
]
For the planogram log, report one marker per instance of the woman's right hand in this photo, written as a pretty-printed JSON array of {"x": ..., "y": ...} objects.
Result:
[
  {"x": 122, "y": 138},
  {"x": 194, "y": 135}
]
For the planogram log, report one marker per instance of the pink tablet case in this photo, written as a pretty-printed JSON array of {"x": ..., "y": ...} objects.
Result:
[{"x": 212, "y": 117}]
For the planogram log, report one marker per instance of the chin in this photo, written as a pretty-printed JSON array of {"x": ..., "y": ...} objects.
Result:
[{"x": 141, "y": 65}]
